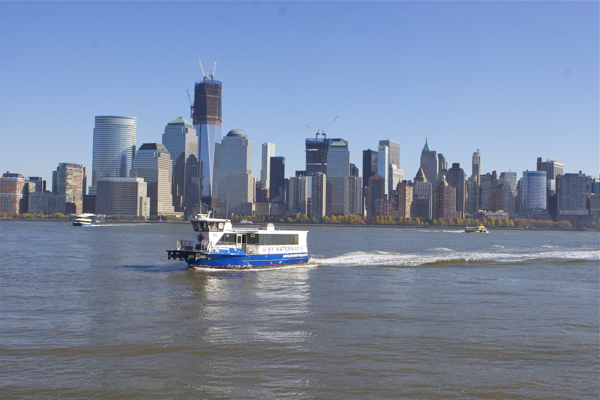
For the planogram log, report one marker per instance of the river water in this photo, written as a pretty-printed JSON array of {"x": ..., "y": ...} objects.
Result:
[{"x": 379, "y": 312}]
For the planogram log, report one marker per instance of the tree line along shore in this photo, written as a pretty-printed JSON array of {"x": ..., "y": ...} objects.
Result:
[{"x": 519, "y": 223}]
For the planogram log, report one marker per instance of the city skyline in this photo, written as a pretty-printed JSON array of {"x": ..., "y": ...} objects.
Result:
[{"x": 516, "y": 81}]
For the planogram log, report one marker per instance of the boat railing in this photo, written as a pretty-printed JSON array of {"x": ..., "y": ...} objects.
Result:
[{"x": 185, "y": 245}]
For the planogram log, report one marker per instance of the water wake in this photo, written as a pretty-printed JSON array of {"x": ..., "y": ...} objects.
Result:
[{"x": 413, "y": 260}]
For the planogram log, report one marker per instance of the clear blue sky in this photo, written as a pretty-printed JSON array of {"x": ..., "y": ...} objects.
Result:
[{"x": 517, "y": 80}]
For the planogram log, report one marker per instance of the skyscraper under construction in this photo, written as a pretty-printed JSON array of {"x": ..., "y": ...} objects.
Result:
[{"x": 207, "y": 118}]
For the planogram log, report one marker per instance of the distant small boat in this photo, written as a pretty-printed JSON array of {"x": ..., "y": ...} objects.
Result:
[
  {"x": 245, "y": 221},
  {"x": 478, "y": 229}
]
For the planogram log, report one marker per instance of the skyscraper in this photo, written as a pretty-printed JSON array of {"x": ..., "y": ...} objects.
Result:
[
  {"x": 113, "y": 147},
  {"x": 383, "y": 161},
  {"x": 456, "y": 178},
  {"x": 476, "y": 166},
  {"x": 153, "y": 163},
  {"x": 123, "y": 196},
  {"x": 316, "y": 154},
  {"x": 394, "y": 174},
  {"x": 181, "y": 141},
  {"x": 233, "y": 180},
  {"x": 277, "y": 178},
  {"x": 572, "y": 194},
  {"x": 207, "y": 117},
  {"x": 268, "y": 151},
  {"x": 67, "y": 184},
  {"x": 430, "y": 164},
  {"x": 533, "y": 190},
  {"x": 422, "y": 205}
]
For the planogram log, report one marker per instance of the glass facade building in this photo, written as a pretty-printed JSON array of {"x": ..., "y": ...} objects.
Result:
[
  {"x": 113, "y": 147},
  {"x": 181, "y": 141},
  {"x": 533, "y": 190},
  {"x": 233, "y": 178},
  {"x": 207, "y": 118}
]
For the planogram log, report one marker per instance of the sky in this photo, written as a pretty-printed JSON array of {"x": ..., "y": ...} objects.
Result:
[{"x": 516, "y": 80}]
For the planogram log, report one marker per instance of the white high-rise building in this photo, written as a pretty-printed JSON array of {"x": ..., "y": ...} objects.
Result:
[
  {"x": 113, "y": 148},
  {"x": 153, "y": 163},
  {"x": 268, "y": 151}
]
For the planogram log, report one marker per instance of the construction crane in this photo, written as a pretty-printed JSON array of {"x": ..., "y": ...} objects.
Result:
[
  {"x": 322, "y": 131},
  {"x": 201, "y": 67},
  {"x": 191, "y": 105},
  {"x": 211, "y": 74},
  {"x": 327, "y": 130}
]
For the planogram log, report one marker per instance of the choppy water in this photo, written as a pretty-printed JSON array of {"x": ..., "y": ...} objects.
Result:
[{"x": 99, "y": 312}]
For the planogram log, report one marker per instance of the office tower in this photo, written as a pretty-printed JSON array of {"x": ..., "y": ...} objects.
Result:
[
  {"x": 122, "y": 196},
  {"x": 369, "y": 165},
  {"x": 430, "y": 164},
  {"x": 394, "y": 174},
  {"x": 67, "y": 184},
  {"x": 393, "y": 151},
  {"x": 277, "y": 178},
  {"x": 298, "y": 195},
  {"x": 233, "y": 180},
  {"x": 445, "y": 201},
  {"x": 113, "y": 147},
  {"x": 318, "y": 195},
  {"x": 383, "y": 154},
  {"x": 338, "y": 172},
  {"x": 405, "y": 198},
  {"x": 316, "y": 154},
  {"x": 456, "y": 178},
  {"x": 510, "y": 179},
  {"x": 499, "y": 199},
  {"x": 472, "y": 195},
  {"x": 268, "y": 151},
  {"x": 181, "y": 141},
  {"x": 476, "y": 166},
  {"x": 207, "y": 118},
  {"x": 571, "y": 189},
  {"x": 486, "y": 182},
  {"x": 533, "y": 190},
  {"x": 376, "y": 192},
  {"x": 13, "y": 193},
  {"x": 552, "y": 168},
  {"x": 153, "y": 163},
  {"x": 422, "y": 205},
  {"x": 442, "y": 163}
]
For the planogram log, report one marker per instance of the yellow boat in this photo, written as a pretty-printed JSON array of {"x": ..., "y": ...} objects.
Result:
[{"x": 479, "y": 229}]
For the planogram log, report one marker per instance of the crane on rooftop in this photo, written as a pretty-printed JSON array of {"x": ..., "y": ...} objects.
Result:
[
  {"x": 322, "y": 131},
  {"x": 210, "y": 74}
]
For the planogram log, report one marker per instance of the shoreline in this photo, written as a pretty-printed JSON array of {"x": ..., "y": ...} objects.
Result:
[{"x": 237, "y": 224}]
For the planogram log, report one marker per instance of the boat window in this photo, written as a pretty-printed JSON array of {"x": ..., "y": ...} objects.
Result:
[
  {"x": 271, "y": 240},
  {"x": 227, "y": 239}
]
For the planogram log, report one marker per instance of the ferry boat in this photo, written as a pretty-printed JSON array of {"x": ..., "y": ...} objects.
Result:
[
  {"x": 86, "y": 219},
  {"x": 218, "y": 245},
  {"x": 479, "y": 229},
  {"x": 81, "y": 221}
]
